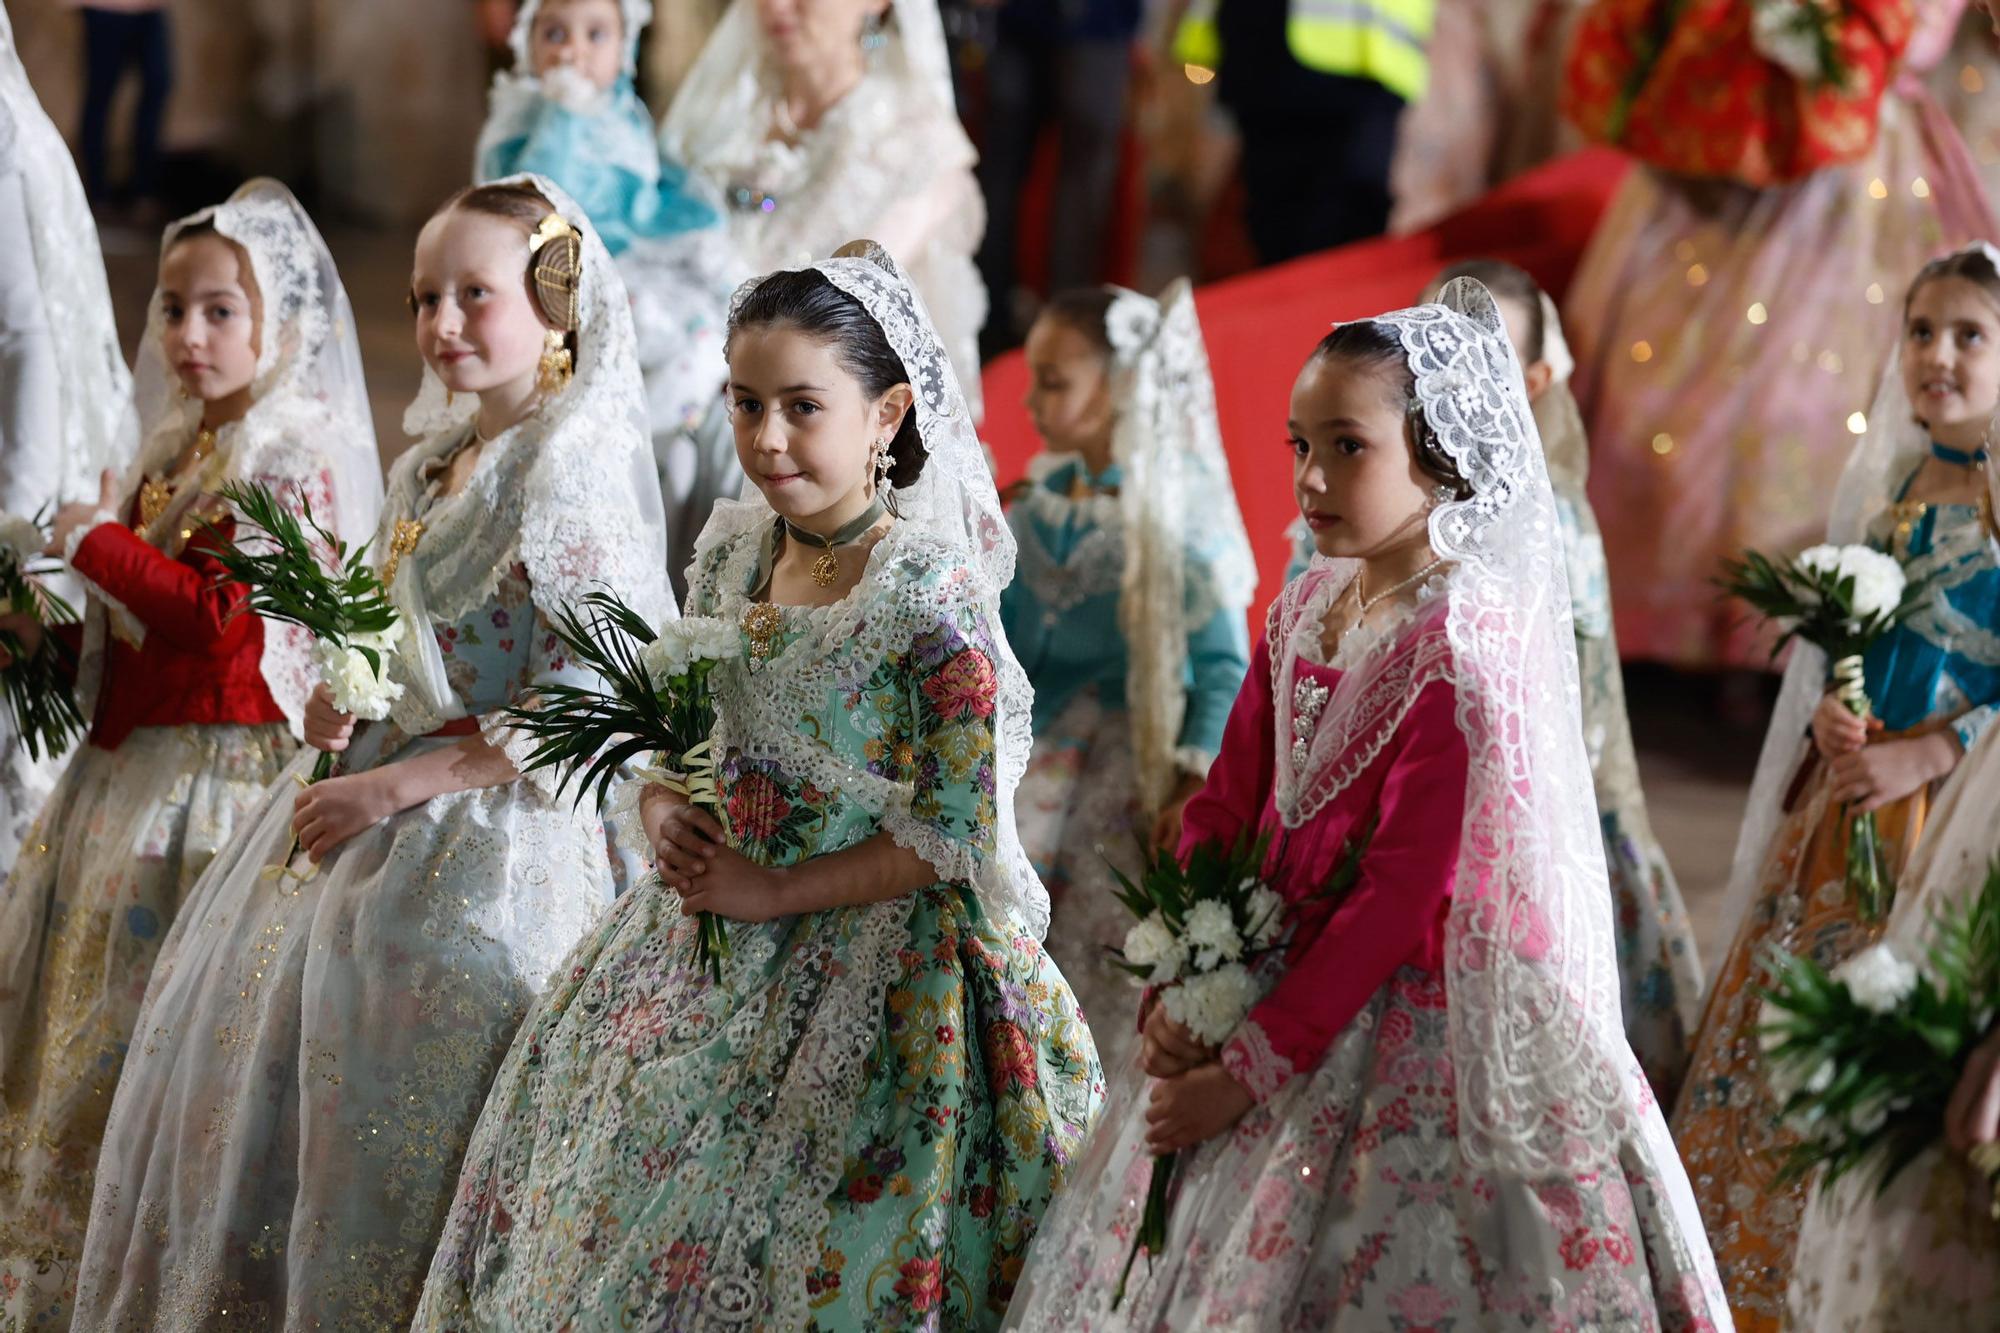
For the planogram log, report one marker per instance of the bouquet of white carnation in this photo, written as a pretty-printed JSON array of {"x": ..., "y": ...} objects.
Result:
[
  {"x": 39, "y": 686},
  {"x": 1863, "y": 1059},
  {"x": 301, "y": 574},
  {"x": 1204, "y": 925},
  {"x": 658, "y": 701},
  {"x": 1841, "y": 599}
]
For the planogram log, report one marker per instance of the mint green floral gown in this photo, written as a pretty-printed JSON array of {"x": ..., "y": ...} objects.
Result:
[{"x": 860, "y": 1126}]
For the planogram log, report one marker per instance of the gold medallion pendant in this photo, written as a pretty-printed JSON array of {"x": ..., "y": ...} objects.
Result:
[{"x": 826, "y": 569}]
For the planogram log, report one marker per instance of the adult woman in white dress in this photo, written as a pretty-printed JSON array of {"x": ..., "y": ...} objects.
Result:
[
  {"x": 313, "y": 1051},
  {"x": 835, "y": 120},
  {"x": 65, "y": 395}
]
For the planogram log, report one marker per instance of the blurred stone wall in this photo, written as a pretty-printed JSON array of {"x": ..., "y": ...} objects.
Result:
[{"x": 369, "y": 106}]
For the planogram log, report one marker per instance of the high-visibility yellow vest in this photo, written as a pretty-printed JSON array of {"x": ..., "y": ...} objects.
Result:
[{"x": 1382, "y": 40}]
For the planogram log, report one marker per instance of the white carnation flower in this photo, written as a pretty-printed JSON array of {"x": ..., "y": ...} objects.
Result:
[
  {"x": 20, "y": 540},
  {"x": 681, "y": 643},
  {"x": 1151, "y": 944},
  {"x": 1879, "y": 582},
  {"x": 1211, "y": 934},
  {"x": 355, "y": 687},
  {"x": 1878, "y": 980},
  {"x": 1266, "y": 915},
  {"x": 710, "y": 638},
  {"x": 1211, "y": 1005}
]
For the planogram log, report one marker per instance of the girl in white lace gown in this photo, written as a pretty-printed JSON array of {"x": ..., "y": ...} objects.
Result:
[
  {"x": 833, "y": 121},
  {"x": 194, "y": 704},
  {"x": 1432, "y": 1118},
  {"x": 856, "y": 1127},
  {"x": 314, "y": 1050},
  {"x": 65, "y": 395}
]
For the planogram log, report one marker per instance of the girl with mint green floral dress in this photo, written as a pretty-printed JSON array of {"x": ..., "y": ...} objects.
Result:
[{"x": 858, "y": 1126}]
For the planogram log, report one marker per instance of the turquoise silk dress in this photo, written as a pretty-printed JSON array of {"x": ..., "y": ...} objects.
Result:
[
  {"x": 1079, "y": 809},
  {"x": 859, "y": 1127}
]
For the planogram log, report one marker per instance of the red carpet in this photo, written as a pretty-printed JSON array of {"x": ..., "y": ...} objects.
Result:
[{"x": 1260, "y": 326}]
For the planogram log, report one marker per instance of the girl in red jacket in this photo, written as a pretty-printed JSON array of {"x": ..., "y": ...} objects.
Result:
[{"x": 249, "y": 372}]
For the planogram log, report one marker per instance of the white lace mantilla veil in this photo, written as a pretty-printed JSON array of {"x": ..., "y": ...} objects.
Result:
[
  {"x": 309, "y": 417},
  {"x": 590, "y": 516},
  {"x": 516, "y": 91},
  {"x": 953, "y": 503},
  {"x": 1891, "y": 449},
  {"x": 1177, "y": 501},
  {"x": 96, "y": 427},
  {"x": 911, "y": 135},
  {"x": 1546, "y": 1082}
]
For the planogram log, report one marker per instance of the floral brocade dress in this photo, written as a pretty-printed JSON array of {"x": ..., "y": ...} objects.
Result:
[
  {"x": 1940, "y": 669},
  {"x": 1345, "y": 1199},
  {"x": 859, "y": 1126}
]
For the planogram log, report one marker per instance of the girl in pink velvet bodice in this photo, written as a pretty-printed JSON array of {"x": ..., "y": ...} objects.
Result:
[{"x": 1394, "y": 917}]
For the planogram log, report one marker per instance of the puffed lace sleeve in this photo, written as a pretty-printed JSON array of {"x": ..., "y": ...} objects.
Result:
[{"x": 949, "y": 756}]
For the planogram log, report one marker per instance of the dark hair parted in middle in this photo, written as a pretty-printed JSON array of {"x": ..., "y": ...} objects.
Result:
[
  {"x": 1368, "y": 345},
  {"x": 806, "y": 301}
]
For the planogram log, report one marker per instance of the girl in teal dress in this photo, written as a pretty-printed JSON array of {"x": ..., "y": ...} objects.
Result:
[
  {"x": 859, "y": 1125},
  {"x": 1129, "y": 612}
]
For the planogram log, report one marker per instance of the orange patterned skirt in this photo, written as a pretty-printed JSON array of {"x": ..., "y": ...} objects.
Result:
[{"x": 1724, "y": 1122}]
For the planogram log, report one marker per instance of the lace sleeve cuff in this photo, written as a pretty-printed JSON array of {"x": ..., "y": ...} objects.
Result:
[
  {"x": 497, "y": 729},
  {"x": 954, "y": 861},
  {"x": 1253, "y": 1062}
]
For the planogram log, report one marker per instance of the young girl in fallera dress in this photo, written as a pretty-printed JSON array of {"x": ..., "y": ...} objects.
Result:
[
  {"x": 1128, "y": 610},
  {"x": 248, "y": 373},
  {"x": 314, "y": 1050},
  {"x": 1432, "y": 1118},
  {"x": 858, "y": 1126},
  {"x": 1912, "y": 488}
]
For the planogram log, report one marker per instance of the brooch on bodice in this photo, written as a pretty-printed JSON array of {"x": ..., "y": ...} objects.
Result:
[
  {"x": 1308, "y": 698},
  {"x": 761, "y": 623}
]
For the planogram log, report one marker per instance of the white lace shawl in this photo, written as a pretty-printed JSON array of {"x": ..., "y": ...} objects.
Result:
[
  {"x": 570, "y": 493},
  {"x": 1186, "y": 554},
  {"x": 308, "y": 432},
  {"x": 890, "y": 162},
  {"x": 93, "y": 427}
]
